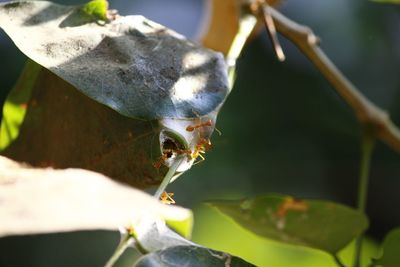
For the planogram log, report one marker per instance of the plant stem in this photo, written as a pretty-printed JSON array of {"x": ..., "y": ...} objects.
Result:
[
  {"x": 246, "y": 25},
  {"x": 366, "y": 111},
  {"x": 338, "y": 261},
  {"x": 171, "y": 172},
  {"x": 128, "y": 238},
  {"x": 123, "y": 245},
  {"x": 367, "y": 146},
  {"x": 303, "y": 37}
]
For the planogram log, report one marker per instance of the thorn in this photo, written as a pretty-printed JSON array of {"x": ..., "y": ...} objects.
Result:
[
  {"x": 270, "y": 26},
  {"x": 202, "y": 158},
  {"x": 218, "y": 131},
  {"x": 312, "y": 39}
]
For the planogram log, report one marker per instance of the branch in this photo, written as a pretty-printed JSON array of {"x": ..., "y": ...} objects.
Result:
[
  {"x": 126, "y": 241},
  {"x": 246, "y": 26},
  {"x": 338, "y": 261},
  {"x": 368, "y": 114},
  {"x": 367, "y": 148}
]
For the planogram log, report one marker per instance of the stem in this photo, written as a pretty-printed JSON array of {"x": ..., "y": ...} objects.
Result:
[
  {"x": 338, "y": 261},
  {"x": 167, "y": 179},
  {"x": 367, "y": 146},
  {"x": 366, "y": 111},
  {"x": 246, "y": 25},
  {"x": 123, "y": 245},
  {"x": 127, "y": 238},
  {"x": 270, "y": 26}
]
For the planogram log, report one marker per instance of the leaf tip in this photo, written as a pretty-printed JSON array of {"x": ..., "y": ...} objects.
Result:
[{"x": 97, "y": 9}]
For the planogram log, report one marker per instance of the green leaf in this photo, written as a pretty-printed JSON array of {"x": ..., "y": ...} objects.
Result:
[
  {"x": 156, "y": 81},
  {"x": 46, "y": 200},
  {"x": 387, "y": 1},
  {"x": 97, "y": 9},
  {"x": 133, "y": 65},
  {"x": 193, "y": 256},
  {"x": 63, "y": 128},
  {"x": 215, "y": 230},
  {"x": 391, "y": 249},
  {"x": 314, "y": 223},
  {"x": 122, "y": 65},
  {"x": 16, "y": 104},
  {"x": 182, "y": 227}
]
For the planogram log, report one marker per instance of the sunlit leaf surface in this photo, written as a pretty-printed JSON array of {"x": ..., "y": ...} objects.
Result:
[
  {"x": 97, "y": 9},
  {"x": 314, "y": 223},
  {"x": 45, "y": 200},
  {"x": 138, "y": 69},
  {"x": 16, "y": 104},
  {"x": 215, "y": 230},
  {"x": 131, "y": 64}
]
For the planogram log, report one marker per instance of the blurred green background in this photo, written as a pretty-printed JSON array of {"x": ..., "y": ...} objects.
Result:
[{"x": 284, "y": 130}]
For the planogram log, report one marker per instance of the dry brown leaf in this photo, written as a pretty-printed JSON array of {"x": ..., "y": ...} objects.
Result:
[{"x": 222, "y": 23}]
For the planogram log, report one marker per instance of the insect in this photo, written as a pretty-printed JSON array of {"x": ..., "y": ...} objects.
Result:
[
  {"x": 201, "y": 147},
  {"x": 291, "y": 204},
  {"x": 191, "y": 128},
  {"x": 161, "y": 160},
  {"x": 166, "y": 198},
  {"x": 208, "y": 123}
]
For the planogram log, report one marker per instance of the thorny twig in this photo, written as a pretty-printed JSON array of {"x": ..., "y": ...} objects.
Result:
[{"x": 368, "y": 114}]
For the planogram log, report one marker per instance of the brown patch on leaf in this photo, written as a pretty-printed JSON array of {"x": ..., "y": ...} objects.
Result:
[{"x": 291, "y": 204}]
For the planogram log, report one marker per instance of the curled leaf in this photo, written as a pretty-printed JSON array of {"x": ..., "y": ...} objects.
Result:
[
  {"x": 131, "y": 64},
  {"x": 132, "y": 88},
  {"x": 63, "y": 128}
]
